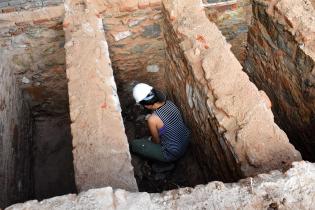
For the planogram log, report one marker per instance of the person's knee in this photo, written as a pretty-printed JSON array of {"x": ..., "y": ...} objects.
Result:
[{"x": 136, "y": 144}]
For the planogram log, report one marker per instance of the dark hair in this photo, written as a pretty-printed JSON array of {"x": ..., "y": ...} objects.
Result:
[{"x": 158, "y": 96}]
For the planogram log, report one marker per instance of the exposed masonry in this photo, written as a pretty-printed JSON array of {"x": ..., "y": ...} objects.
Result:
[
  {"x": 234, "y": 134},
  {"x": 231, "y": 121},
  {"x": 7, "y": 6},
  {"x": 233, "y": 20},
  {"x": 281, "y": 61},
  {"x": 34, "y": 86},
  {"x": 100, "y": 147},
  {"x": 134, "y": 35}
]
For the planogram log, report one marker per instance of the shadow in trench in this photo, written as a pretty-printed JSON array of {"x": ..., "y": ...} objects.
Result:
[{"x": 52, "y": 157}]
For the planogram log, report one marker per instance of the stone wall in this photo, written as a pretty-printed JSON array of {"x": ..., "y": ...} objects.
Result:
[
  {"x": 135, "y": 39},
  {"x": 232, "y": 125},
  {"x": 34, "y": 42},
  {"x": 100, "y": 147},
  {"x": 15, "y": 139},
  {"x": 7, "y": 6},
  {"x": 233, "y": 20},
  {"x": 281, "y": 61},
  {"x": 293, "y": 189}
]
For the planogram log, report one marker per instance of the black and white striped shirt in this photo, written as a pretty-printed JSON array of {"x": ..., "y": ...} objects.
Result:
[{"x": 174, "y": 135}]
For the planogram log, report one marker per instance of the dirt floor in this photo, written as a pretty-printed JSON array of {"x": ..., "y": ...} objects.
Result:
[
  {"x": 153, "y": 176},
  {"x": 52, "y": 156}
]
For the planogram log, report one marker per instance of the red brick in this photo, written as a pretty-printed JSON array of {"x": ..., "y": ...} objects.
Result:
[
  {"x": 65, "y": 24},
  {"x": 22, "y": 23},
  {"x": 128, "y": 6},
  {"x": 8, "y": 10},
  {"x": 40, "y": 21},
  {"x": 56, "y": 27},
  {"x": 143, "y": 4},
  {"x": 155, "y": 3}
]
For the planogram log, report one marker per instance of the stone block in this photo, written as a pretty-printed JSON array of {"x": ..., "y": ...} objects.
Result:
[
  {"x": 8, "y": 9},
  {"x": 143, "y": 4},
  {"x": 122, "y": 35},
  {"x": 153, "y": 68},
  {"x": 100, "y": 147},
  {"x": 4, "y": 4},
  {"x": 152, "y": 31},
  {"x": 17, "y": 2},
  {"x": 128, "y": 6}
]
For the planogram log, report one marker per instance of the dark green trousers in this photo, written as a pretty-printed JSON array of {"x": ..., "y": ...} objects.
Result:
[{"x": 147, "y": 148}]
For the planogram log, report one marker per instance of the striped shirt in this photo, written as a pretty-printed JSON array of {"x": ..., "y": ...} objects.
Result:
[{"x": 174, "y": 135}]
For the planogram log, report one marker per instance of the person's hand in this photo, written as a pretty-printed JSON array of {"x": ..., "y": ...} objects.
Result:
[{"x": 147, "y": 116}]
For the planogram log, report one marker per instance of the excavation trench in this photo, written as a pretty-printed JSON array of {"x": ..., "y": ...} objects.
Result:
[
  {"x": 65, "y": 129},
  {"x": 159, "y": 46},
  {"x": 37, "y": 110}
]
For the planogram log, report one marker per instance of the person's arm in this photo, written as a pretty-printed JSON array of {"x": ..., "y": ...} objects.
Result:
[{"x": 153, "y": 128}]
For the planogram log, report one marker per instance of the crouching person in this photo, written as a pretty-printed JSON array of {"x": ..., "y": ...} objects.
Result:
[{"x": 169, "y": 134}]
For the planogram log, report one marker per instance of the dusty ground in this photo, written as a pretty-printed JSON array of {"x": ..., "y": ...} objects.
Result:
[{"x": 52, "y": 154}]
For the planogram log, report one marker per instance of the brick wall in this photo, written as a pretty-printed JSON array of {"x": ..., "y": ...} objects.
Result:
[
  {"x": 33, "y": 44},
  {"x": 233, "y": 20},
  {"x": 15, "y": 138},
  {"x": 134, "y": 34},
  {"x": 100, "y": 147},
  {"x": 281, "y": 61},
  {"x": 7, "y": 6},
  {"x": 232, "y": 125}
]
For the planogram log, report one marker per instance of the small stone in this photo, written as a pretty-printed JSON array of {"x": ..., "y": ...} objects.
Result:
[
  {"x": 172, "y": 15},
  {"x": 122, "y": 35},
  {"x": 138, "y": 49},
  {"x": 136, "y": 22},
  {"x": 87, "y": 28},
  {"x": 128, "y": 6},
  {"x": 153, "y": 68},
  {"x": 197, "y": 52},
  {"x": 25, "y": 80},
  {"x": 158, "y": 16},
  {"x": 133, "y": 23},
  {"x": 152, "y": 31}
]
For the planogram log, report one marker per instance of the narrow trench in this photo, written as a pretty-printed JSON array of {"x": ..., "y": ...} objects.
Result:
[
  {"x": 40, "y": 73},
  {"x": 188, "y": 171},
  {"x": 52, "y": 165},
  {"x": 150, "y": 175},
  {"x": 53, "y": 172}
]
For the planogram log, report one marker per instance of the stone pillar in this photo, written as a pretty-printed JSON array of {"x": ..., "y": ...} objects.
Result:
[{"x": 100, "y": 147}]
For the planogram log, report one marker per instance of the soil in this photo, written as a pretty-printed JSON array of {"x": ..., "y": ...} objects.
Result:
[{"x": 52, "y": 156}]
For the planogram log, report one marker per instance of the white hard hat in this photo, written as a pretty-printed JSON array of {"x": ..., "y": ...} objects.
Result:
[{"x": 140, "y": 91}]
